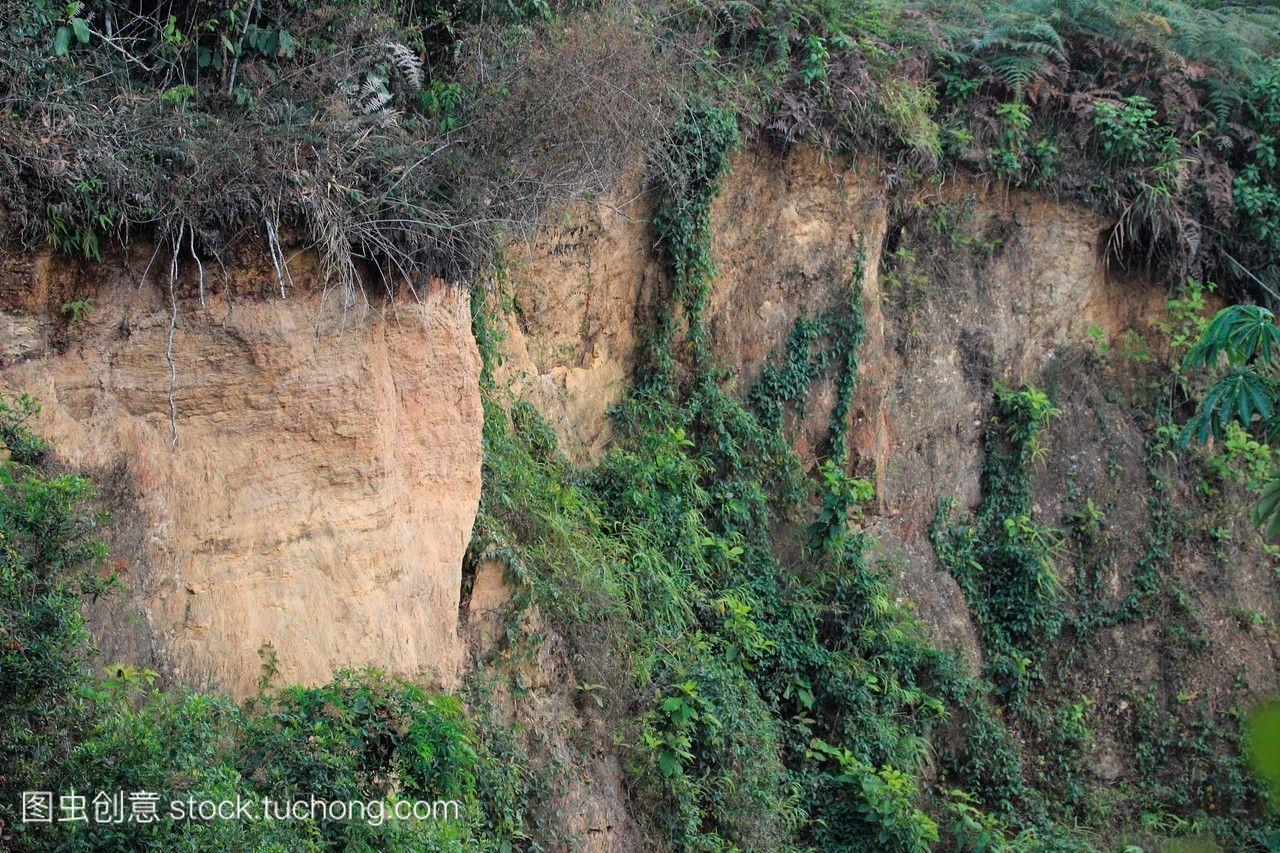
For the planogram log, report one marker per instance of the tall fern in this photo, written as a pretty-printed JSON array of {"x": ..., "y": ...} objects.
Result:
[{"x": 1019, "y": 51}]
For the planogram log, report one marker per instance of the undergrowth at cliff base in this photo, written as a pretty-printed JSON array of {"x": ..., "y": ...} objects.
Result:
[{"x": 367, "y": 740}]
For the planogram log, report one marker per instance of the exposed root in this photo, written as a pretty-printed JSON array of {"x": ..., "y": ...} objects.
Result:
[
  {"x": 277, "y": 254},
  {"x": 173, "y": 322},
  {"x": 199, "y": 266}
]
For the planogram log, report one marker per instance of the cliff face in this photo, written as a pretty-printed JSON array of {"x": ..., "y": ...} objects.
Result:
[
  {"x": 314, "y": 510},
  {"x": 327, "y": 470},
  {"x": 966, "y": 284}
]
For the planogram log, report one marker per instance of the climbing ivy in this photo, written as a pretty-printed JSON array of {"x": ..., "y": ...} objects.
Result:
[
  {"x": 1003, "y": 558},
  {"x": 777, "y": 695}
]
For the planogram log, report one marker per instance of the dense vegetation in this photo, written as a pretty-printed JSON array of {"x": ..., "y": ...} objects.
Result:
[
  {"x": 771, "y": 691},
  {"x": 766, "y": 690},
  {"x": 363, "y": 130},
  {"x": 411, "y": 135}
]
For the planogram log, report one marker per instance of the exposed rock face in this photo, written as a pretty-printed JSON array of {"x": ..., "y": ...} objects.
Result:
[
  {"x": 980, "y": 287},
  {"x": 327, "y": 470},
  {"x": 581, "y": 295},
  {"x": 326, "y": 474}
]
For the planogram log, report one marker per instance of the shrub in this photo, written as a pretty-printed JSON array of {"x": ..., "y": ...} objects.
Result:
[{"x": 48, "y": 563}]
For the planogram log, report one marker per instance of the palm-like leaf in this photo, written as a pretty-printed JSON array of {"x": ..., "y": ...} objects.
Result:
[
  {"x": 1239, "y": 395},
  {"x": 1248, "y": 336},
  {"x": 1271, "y": 432},
  {"x": 1267, "y": 513},
  {"x": 1242, "y": 332}
]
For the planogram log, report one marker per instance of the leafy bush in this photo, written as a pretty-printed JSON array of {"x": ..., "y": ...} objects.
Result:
[
  {"x": 879, "y": 809},
  {"x": 1128, "y": 133},
  {"x": 1244, "y": 397},
  {"x": 48, "y": 563},
  {"x": 1256, "y": 188}
]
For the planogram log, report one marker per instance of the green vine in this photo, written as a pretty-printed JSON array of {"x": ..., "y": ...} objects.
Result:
[
  {"x": 1154, "y": 562},
  {"x": 1003, "y": 558},
  {"x": 765, "y": 668}
]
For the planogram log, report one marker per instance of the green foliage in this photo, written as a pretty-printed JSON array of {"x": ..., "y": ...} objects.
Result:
[
  {"x": 1212, "y": 790},
  {"x": 1015, "y": 157},
  {"x": 351, "y": 736},
  {"x": 74, "y": 26},
  {"x": 48, "y": 563},
  {"x": 1127, "y": 131},
  {"x": 1262, "y": 738},
  {"x": 1242, "y": 333},
  {"x": 772, "y": 700},
  {"x": 701, "y": 144},
  {"x": 81, "y": 218},
  {"x": 1243, "y": 459},
  {"x": 442, "y": 101},
  {"x": 1154, "y": 562},
  {"x": 365, "y": 738},
  {"x": 1019, "y": 50},
  {"x": 24, "y": 447},
  {"x": 1187, "y": 318},
  {"x": 1063, "y": 751},
  {"x": 716, "y": 594},
  {"x": 77, "y": 310},
  {"x": 1256, "y": 187},
  {"x": 361, "y": 130},
  {"x": 1247, "y": 339},
  {"x": 1003, "y": 560},
  {"x": 879, "y": 807},
  {"x": 973, "y": 829},
  {"x": 1238, "y": 396},
  {"x": 1176, "y": 100},
  {"x": 1267, "y": 512}
]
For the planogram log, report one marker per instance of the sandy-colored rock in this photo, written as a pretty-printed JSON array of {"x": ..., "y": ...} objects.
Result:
[
  {"x": 787, "y": 229},
  {"x": 323, "y": 485},
  {"x": 487, "y": 608},
  {"x": 581, "y": 291}
]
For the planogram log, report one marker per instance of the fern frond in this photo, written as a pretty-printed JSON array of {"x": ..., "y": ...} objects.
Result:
[
  {"x": 406, "y": 62},
  {"x": 372, "y": 96},
  {"x": 1019, "y": 52}
]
